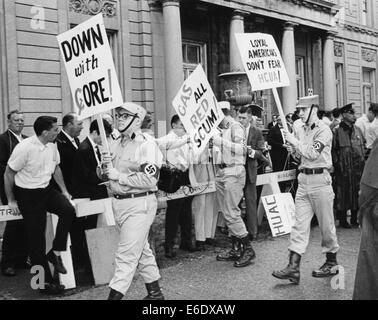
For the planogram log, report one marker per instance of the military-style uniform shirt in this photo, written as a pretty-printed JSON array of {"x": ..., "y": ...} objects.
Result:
[
  {"x": 315, "y": 144},
  {"x": 233, "y": 148},
  {"x": 138, "y": 159}
]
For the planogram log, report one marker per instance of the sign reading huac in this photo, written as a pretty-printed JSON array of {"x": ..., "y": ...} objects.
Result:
[
  {"x": 280, "y": 211},
  {"x": 90, "y": 68},
  {"x": 262, "y": 61},
  {"x": 197, "y": 107}
]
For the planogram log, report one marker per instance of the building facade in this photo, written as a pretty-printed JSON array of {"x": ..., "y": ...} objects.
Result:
[{"x": 328, "y": 47}]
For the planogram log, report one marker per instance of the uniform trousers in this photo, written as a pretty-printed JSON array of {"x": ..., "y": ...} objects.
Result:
[
  {"x": 34, "y": 205},
  {"x": 134, "y": 217},
  {"x": 314, "y": 195},
  {"x": 229, "y": 185}
]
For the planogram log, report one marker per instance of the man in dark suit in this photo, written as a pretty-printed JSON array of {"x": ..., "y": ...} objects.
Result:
[
  {"x": 68, "y": 143},
  {"x": 14, "y": 248},
  {"x": 255, "y": 146},
  {"x": 273, "y": 123},
  {"x": 278, "y": 152},
  {"x": 86, "y": 161},
  {"x": 85, "y": 184}
]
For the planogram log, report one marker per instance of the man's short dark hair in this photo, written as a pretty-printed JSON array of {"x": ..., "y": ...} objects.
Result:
[
  {"x": 94, "y": 127},
  {"x": 226, "y": 112},
  {"x": 14, "y": 112},
  {"x": 374, "y": 108},
  {"x": 336, "y": 112},
  {"x": 68, "y": 118},
  {"x": 175, "y": 119},
  {"x": 43, "y": 123},
  {"x": 244, "y": 109}
]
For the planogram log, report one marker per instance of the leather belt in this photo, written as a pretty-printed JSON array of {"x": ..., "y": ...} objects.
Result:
[
  {"x": 224, "y": 165},
  {"x": 133, "y": 195},
  {"x": 312, "y": 171}
]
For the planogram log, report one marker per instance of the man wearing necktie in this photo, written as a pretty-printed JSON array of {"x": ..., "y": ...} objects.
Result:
[
  {"x": 68, "y": 142},
  {"x": 86, "y": 184}
]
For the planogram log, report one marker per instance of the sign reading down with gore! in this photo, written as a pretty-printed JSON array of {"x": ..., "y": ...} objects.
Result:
[
  {"x": 90, "y": 68},
  {"x": 262, "y": 61}
]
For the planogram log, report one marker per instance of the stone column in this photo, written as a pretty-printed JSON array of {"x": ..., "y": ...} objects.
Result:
[
  {"x": 289, "y": 94},
  {"x": 329, "y": 74},
  {"x": 174, "y": 74},
  {"x": 236, "y": 26}
]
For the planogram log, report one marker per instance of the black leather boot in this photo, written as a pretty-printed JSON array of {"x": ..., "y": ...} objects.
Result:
[
  {"x": 154, "y": 291},
  {"x": 115, "y": 295},
  {"x": 291, "y": 272},
  {"x": 247, "y": 253},
  {"x": 329, "y": 268},
  {"x": 234, "y": 253}
]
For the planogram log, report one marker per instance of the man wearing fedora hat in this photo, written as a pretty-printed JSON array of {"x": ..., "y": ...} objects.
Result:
[
  {"x": 311, "y": 143},
  {"x": 348, "y": 154}
]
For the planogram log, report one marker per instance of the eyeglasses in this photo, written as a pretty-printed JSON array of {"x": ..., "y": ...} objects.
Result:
[
  {"x": 350, "y": 111},
  {"x": 123, "y": 116}
]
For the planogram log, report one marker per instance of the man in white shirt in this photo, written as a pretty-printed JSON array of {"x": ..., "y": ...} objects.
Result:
[
  {"x": 364, "y": 122},
  {"x": 372, "y": 130},
  {"x": 178, "y": 211},
  {"x": 27, "y": 185}
]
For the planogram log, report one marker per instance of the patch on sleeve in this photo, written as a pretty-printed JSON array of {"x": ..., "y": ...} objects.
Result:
[
  {"x": 151, "y": 170},
  {"x": 318, "y": 146}
]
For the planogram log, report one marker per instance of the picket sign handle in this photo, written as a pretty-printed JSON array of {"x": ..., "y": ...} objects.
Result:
[
  {"x": 280, "y": 110},
  {"x": 105, "y": 145}
]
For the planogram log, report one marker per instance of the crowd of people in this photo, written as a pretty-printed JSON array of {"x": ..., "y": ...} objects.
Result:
[{"x": 43, "y": 173}]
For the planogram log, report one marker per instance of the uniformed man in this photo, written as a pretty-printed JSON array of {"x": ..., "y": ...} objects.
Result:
[
  {"x": 312, "y": 144},
  {"x": 230, "y": 181},
  {"x": 348, "y": 154},
  {"x": 132, "y": 184}
]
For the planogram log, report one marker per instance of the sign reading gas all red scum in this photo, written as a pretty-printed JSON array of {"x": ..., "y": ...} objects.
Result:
[
  {"x": 197, "y": 107},
  {"x": 90, "y": 68}
]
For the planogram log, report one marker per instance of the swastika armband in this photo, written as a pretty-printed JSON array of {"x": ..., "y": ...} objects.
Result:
[
  {"x": 318, "y": 146},
  {"x": 150, "y": 169}
]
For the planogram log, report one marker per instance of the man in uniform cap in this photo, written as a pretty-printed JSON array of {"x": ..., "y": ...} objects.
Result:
[
  {"x": 348, "y": 154},
  {"x": 132, "y": 184},
  {"x": 311, "y": 142},
  {"x": 230, "y": 181}
]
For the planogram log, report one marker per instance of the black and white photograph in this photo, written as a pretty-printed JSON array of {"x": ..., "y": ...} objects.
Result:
[{"x": 189, "y": 156}]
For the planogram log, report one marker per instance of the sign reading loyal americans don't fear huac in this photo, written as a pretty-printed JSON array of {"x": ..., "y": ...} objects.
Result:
[
  {"x": 262, "y": 61},
  {"x": 197, "y": 107},
  {"x": 90, "y": 68}
]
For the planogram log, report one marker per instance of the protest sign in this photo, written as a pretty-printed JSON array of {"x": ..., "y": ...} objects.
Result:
[
  {"x": 197, "y": 107},
  {"x": 6, "y": 214},
  {"x": 263, "y": 64},
  {"x": 280, "y": 211},
  {"x": 90, "y": 68},
  {"x": 262, "y": 61}
]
